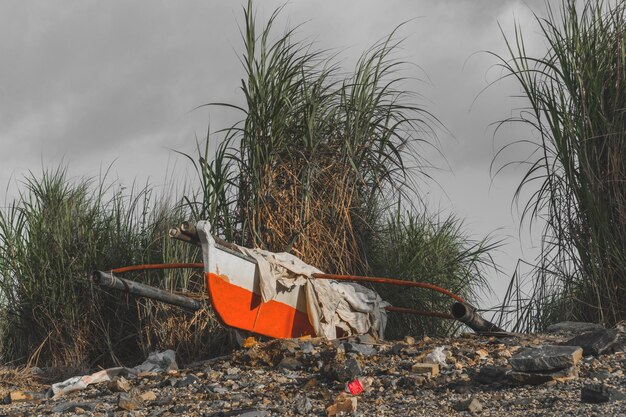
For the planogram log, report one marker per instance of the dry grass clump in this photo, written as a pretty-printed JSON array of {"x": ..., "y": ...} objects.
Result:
[{"x": 193, "y": 336}]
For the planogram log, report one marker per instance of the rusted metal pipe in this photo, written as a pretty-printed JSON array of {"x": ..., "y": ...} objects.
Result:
[
  {"x": 468, "y": 315},
  {"x": 110, "y": 281},
  {"x": 147, "y": 267},
  {"x": 405, "y": 310},
  {"x": 189, "y": 229},
  {"x": 390, "y": 281},
  {"x": 176, "y": 233}
]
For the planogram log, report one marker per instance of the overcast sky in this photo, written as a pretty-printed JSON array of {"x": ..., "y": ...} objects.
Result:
[{"x": 88, "y": 83}]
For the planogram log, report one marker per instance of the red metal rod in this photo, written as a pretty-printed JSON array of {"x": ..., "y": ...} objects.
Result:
[
  {"x": 390, "y": 281},
  {"x": 419, "y": 312},
  {"x": 355, "y": 278},
  {"x": 155, "y": 266}
]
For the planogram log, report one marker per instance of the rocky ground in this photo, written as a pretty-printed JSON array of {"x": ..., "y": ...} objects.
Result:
[{"x": 490, "y": 375}]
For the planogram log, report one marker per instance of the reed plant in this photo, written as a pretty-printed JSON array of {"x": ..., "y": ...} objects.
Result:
[
  {"x": 51, "y": 237},
  {"x": 322, "y": 158},
  {"x": 435, "y": 249},
  {"x": 577, "y": 176},
  {"x": 317, "y": 152}
]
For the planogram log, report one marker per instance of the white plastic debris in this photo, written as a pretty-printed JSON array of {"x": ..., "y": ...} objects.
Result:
[
  {"x": 437, "y": 356},
  {"x": 78, "y": 383},
  {"x": 157, "y": 362}
]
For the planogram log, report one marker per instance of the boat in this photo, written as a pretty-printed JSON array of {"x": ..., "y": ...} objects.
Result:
[{"x": 234, "y": 287}]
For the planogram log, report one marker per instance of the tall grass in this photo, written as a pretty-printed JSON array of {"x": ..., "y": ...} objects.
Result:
[
  {"x": 577, "y": 105},
  {"x": 51, "y": 237},
  {"x": 322, "y": 158},
  {"x": 317, "y": 152},
  {"x": 434, "y": 249}
]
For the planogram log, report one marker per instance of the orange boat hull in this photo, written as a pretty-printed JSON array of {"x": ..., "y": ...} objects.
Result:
[{"x": 243, "y": 309}]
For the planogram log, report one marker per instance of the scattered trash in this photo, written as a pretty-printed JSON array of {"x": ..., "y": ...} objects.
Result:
[
  {"x": 78, "y": 383},
  {"x": 157, "y": 362},
  {"x": 437, "y": 356},
  {"x": 358, "y": 385}
]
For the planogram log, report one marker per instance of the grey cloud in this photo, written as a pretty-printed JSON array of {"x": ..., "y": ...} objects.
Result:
[{"x": 91, "y": 81}]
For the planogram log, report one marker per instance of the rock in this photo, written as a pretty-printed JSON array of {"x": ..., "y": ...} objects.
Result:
[
  {"x": 249, "y": 342},
  {"x": 367, "y": 339},
  {"x": 120, "y": 384},
  {"x": 179, "y": 410},
  {"x": 600, "y": 393},
  {"x": 307, "y": 347},
  {"x": 349, "y": 370},
  {"x": 219, "y": 389},
  {"x": 342, "y": 404},
  {"x": 536, "y": 378},
  {"x": 471, "y": 404},
  {"x": 290, "y": 363},
  {"x": 546, "y": 358},
  {"x": 186, "y": 381},
  {"x": 491, "y": 374},
  {"x": 148, "y": 396},
  {"x": 481, "y": 354},
  {"x": 128, "y": 403},
  {"x": 431, "y": 369},
  {"x": 252, "y": 413},
  {"x": 596, "y": 342},
  {"x": 409, "y": 340},
  {"x": 361, "y": 349},
  {"x": 303, "y": 405},
  {"x": 72, "y": 407},
  {"x": 575, "y": 327},
  {"x": 23, "y": 396}
]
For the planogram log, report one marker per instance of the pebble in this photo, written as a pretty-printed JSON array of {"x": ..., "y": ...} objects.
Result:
[{"x": 477, "y": 378}]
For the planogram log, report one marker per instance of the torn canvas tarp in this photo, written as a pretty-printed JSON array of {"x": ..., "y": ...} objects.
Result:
[{"x": 331, "y": 305}]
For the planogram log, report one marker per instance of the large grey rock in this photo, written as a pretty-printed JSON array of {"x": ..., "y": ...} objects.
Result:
[
  {"x": 596, "y": 342},
  {"x": 546, "y": 358},
  {"x": 537, "y": 378},
  {"x": 574, "y": 327},
  {"x": 600, "y": 393}
]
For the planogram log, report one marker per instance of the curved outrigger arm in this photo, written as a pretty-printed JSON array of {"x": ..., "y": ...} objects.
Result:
[{"x": 461, "y": 310}]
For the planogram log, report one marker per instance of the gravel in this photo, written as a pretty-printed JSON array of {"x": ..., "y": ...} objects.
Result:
[{"x": 308, "y": 377}]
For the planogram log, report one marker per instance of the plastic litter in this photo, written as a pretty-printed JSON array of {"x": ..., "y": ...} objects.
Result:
[
  {"x": 437, "y": 356},
  {"x": 156, "y": 362},
  {"x": 359, "y": 385}
]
